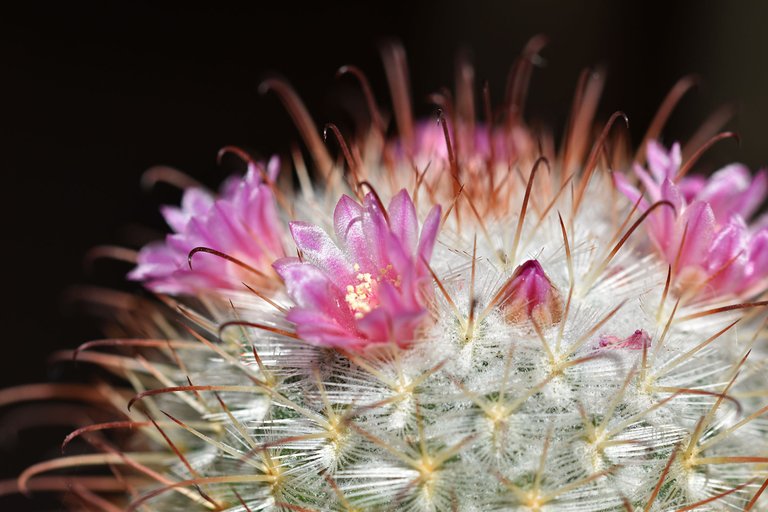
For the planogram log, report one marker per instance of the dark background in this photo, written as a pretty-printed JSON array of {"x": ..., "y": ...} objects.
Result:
[{"x": 92, "y": 95}]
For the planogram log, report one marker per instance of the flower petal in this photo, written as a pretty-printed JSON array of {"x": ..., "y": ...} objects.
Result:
[
  {"x": 403, "y": 221},
  {"x": 725, "y": 190},
  {"x": 348, "y": 225},
  {"x": 698, "y": 223},
  {"x": 319, "y": 250},
  {"x": 623, "y": 185},
  {"x": 308, "y": 286},
  {"x": 318, "y": 329},
  {"x": 429, "y": 233},
  {"x": 663, "y": 164}
]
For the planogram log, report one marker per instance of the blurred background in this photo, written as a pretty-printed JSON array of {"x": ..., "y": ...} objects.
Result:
[{"x": 94, "y": 94}]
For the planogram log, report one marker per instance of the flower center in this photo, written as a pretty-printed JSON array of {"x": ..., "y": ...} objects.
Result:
[{"x": 361, "y": 296}]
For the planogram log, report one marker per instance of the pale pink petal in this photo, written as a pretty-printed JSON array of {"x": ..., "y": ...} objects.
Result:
[
  {"x": 311, "y": 288},
  {"x": 758, "y": 254},
  {"x": 376, "y": 326},
  {"x": 429, "y": 233},
  {"x": 725, "y": 190},
  {"x": 320, "y": 329},
  {"x": 635, "y": 341},
  {"x": 663, "y": 164},
  {"x": 403, "y": 222},
  {"x": 755, "y": 194},
  {"x": 260, "y": 216},
  {"x": 395, "y": 301},
  {"x": 651, "y": 187},
  {"x": 273, "y": 168},
  {"x": 194, "y": 203},
  {"x": 348, "y": 225},
  {"x": 691, "y": 186},
  {"x": 318, "y": 249},
  {"x": 628, "y": 190},
  {"x": 155, "y": 259},
  {"x": 730, "y": 241},
  {"x": 376, "y": 231},
  {"x": 698, "y": 223},
  {"x": 665, "y": 219}
]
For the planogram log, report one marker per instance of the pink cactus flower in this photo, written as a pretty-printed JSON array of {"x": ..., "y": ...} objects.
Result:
[
  {"x": 706, "y": 239},
  {"x": 368, "y": 287},
  {"x": 530, "y": 294},
  {"x": 242, "y": 223}
]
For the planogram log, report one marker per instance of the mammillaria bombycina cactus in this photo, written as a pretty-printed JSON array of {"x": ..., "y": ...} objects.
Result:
[{"x": 460, "y": 317}]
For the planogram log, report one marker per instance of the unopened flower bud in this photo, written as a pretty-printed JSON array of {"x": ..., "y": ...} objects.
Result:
[{"x": 531, "y": 295}]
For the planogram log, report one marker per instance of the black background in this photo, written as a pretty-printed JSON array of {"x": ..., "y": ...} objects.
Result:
[{"x": 94, "y": 94}]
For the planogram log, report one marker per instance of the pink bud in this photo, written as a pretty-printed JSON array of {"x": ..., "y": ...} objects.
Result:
[{"x": 529, "y": 294}]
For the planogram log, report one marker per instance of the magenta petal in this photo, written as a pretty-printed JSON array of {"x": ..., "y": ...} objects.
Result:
[
  {"x": 728, "y": 244},
  {"x": 429, "y": 233},
  {"x": 377, "y": 326},
  {"x": 628, "y": 190},
  {"x": 724, "y": 190},
  {"x": 175, "y": 217},
  {"x": 226, "y": 226},
  {"x": 260, "y": 213},
  {"x": 383, "y": 327},
  {"x": 309, "y": 287},
  {"x": 196, "y": 202},
  {"x": 154, "y": 259},
  {"x": 348, "y": 225},
  {"x": 728, "y": 262},
  {"x": 320, "y": 329},
  {"x": 651, "y": 186},
  {"x": 758, "y": 254},
  {"x": 658, "y": 160},
  {"x": 376, "y": 230},
  {"x": 347, "y": 214},
  {"x": 670, "y": 192},
  {"x": 402, "y": 220},
  {"x": 755, "y": 194},
  {"x": 663, "y": 164},
  {"x": 636, "y": 341},
  {"x": 284, "y": 266},
  {"x": 405, "y": 327},
  {"x": 395, "y": 302},
  {"x": 691, "y": 186},
  {"x": 273, "y": 168},
  {"x": 699, "y": 224},
  {"x": 318, "y": 249}
]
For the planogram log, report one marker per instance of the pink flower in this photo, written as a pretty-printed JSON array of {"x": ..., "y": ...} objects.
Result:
[
  {"x": 707, "y": 241},
  {"x": 368, "y": 287},
  {"x": 529, "y": 294},
  {"x": 242, "y": 223}
]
